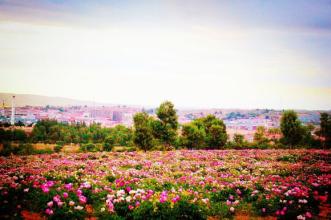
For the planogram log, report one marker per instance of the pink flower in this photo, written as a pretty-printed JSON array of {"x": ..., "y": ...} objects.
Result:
[
  {"x": 68, "y": 186},
  {"x": 56, "y": 198},
  {"x": 175, "y": 199},
  {"x": 232, "y": 209},
  {"x": 110, "y": 206},
  {"x": 82, "y": 199},
  {"x": 50, "y": 183},
  {"x": 130, "y": 207},
  {"x": 65, "y": 195},
  {"x": 44, "y": 188},
  {"x": 308, "y": 215},
  {"x": 263, "y": 210},
  {"x": 79, "y": 192},
  {"x": 163, "y": 197},
  {"x": 49, "y": 211},
  {"x": 50, "y": 204}
]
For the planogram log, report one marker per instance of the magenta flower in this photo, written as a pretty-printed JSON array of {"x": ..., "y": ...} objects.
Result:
[
  {"x": 82, "y": 199},
  {"x": 65, "y": 195},
  {"x": 49, "y": 211}
]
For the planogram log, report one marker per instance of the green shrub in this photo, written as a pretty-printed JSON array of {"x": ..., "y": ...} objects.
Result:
[
  {"x": 219, "y": 209},
  {"x": 107, "y": 146},
  {"x": 111, "y": 178},
  {"x": 89, "y": 147},
  {"x": 58, "y": 148},
  {"x": 292, "y": 158},
  {"x": 25, "y": 149},
  {"x": 7, "y": 149},
  {"x": 42, "y": 151}
]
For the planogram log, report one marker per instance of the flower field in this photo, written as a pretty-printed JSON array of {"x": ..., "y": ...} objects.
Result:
[{"x": 201, "y": 184}]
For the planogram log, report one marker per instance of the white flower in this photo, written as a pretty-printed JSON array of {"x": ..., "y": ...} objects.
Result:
[
  {"x": 79, "y": 207},
  {"x": 102, "y": 209},
  {"x": 120, "y": 193},
  {"x": 128, "y": 198},
  {"x": 232, "y": 209}
]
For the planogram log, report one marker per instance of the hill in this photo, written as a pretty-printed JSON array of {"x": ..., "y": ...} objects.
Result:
[{"x": 39, "y": 100}]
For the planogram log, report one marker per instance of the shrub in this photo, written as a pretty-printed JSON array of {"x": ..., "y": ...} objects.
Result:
[
  {"x": 58, "y": 148},
  {"x": 7, "y": 149},
  {"x": 88, "y": 147},
  {"x": 25, "y": 149},
  {"x": 107, "y": 146}
]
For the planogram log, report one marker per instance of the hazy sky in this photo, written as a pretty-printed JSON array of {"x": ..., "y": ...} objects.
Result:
[{"x": 226, "y": 54}]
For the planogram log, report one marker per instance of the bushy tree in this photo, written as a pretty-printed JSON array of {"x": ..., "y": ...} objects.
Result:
[
  {"x": 167, "y": 114},
  {"x": 215, "y": 131},
  {"x": 291, "y": 127},
  {"x": 121, "y": 135},
  {"x": 325, "y": 130},
  {"x": 239, "y": 140},
  {"x": 260, "y": 135},
  {"x": 143, "y": 134},
  {"x": 193, "y": 137},
  {"x": 165, "y": 127}
]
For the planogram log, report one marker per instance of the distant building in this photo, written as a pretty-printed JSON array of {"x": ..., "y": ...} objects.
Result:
[{"x": 117, "y": 116}]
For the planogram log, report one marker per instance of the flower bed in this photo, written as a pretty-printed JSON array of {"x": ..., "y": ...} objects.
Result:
[{"x": 284, "y": 184}]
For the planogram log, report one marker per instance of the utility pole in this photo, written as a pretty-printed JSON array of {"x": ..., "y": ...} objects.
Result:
[{"x": 12, "y": 119}]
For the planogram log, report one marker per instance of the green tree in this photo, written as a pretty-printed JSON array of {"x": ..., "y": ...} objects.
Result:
[
  {"x": 291, "y": 127},
  {"x": 122, "y": 135},
  {"x": 260, "y": 135},
  {"x": 193, "y": 137},
  {"x": 165, "y": 129},
  {"x": 215, "y": 131},
  {"x": 167, "y": 114},
  {"x": 325, "y": 129},
  {"x": 19, "y": 135},
  {"x": 238, "y": 140},
  {"x": 143, "y": 134}
]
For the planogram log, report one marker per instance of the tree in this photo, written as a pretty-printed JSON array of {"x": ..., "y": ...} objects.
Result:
[
  {"x": 215, "y": 131},
  {"x": 260, "y": 135},
  {"x": 122, "y": 135},
  {"x": 167, "y": 114},
  {"x": 291, "y": 128},
  {"x": 325, "y": 130},
  {"x": 192, "y": 136},
  {"x": 18, "y": 135},
  {"x": 238, "y": 140},
  {"x": 165, "y": 129},
  {"x": 143, "y": 136}
]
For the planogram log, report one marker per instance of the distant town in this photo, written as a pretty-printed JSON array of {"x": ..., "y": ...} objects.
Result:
[{"x": 237, "y": 120}]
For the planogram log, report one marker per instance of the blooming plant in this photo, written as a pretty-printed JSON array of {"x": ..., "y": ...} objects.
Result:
[{"x": 284, "y": 184}]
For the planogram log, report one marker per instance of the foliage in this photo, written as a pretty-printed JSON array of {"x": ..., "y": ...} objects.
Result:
[
  {"x": 89, "y": 147},
  {"x": 325, "y": 130},
  {"x": 12, "y": 135},
  {"x": 143, "y": 134},
  {"x": 192, "y": 136},
  {"x": 291, "y": 127},
  {"x": 165, "y": 126},
  {"x": 260, "y": 135}
]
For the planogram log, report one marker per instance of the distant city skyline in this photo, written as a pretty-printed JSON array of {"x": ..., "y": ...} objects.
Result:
[{"x": 198, "y": 54}]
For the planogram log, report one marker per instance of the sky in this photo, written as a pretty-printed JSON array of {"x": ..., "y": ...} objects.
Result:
[{"x": 197, "y": 54}]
